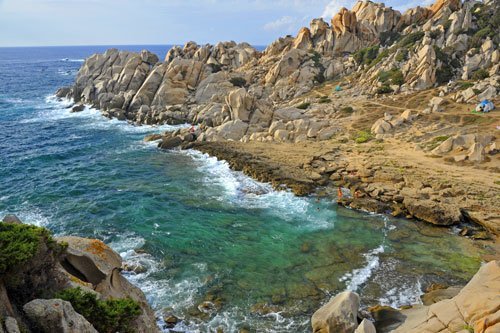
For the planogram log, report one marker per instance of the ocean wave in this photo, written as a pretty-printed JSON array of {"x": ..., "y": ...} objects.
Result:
[
  {"x": 55, "y": 109},
  {"x": 29, "y": 215},
  {"x": 72, "y": 60},
  {"x": 247, "y": 193},
  {"x": 359, "y": 276}
]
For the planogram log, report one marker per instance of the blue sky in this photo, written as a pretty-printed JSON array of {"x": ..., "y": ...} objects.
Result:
[{"x": 119, "y": 22}]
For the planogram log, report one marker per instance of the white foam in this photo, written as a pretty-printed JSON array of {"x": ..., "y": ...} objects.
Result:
[
  {"x": 245, "y": 192},
  {"x": 407, "y": 294},
  {"x": 359, "y": 276},
  {"x": 29, "y": 215},
  {"x": 56, "y": 109},
  {"x": 72, "y": 60}
]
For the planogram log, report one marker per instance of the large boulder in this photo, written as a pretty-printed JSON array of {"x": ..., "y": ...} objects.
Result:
[
  {"x": 90, "y": 259},
  {"x": 240, "y": 104},
  {"x": 339, "y": 315},
  {"x": 477, "y": 306},
  {"x": 233, "y": 130},
  {"x": 56, "y": 316}
]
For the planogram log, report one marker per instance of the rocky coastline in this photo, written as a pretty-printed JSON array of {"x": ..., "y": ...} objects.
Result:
[
  {"x": 65, "y": 284},
  {"x": 372, "y": 110}
]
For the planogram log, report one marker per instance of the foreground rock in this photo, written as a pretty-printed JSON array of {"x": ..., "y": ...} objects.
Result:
[
  {"x": 477, "y": 306},
  {"x": 50, "y": 266},
  {"x": 55, "y": 315},
  {"x": 339, "y": 315}
]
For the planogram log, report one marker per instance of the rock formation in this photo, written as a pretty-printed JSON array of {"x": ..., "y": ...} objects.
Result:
[{"x": 68, "y": 262}]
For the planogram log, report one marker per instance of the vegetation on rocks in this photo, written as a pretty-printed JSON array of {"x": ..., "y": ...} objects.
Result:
[
  {"x": 363, "y": 136},
  {"x": 394, "y": 76},
  {"x": 410, "y": 39},
  {"x": 367, "y": 55},
  {"x": 385, "y": 89},
  {"x": 21, "y": 242},
  {"x": 113, "y": 315},
  {"x": 238, "y": 81},
  {"x": 480, "y": 74},
  {"x": 304, "y": 106}
]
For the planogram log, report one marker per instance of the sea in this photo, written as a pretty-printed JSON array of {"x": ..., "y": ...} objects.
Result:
[{"x": 215, "y": 248}]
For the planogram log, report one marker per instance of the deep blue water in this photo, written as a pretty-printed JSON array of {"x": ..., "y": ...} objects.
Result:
[{"x": 265, "y": 259}]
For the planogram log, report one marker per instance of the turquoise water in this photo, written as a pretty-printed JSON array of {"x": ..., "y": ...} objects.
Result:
[{"x": 256, "y": 258}]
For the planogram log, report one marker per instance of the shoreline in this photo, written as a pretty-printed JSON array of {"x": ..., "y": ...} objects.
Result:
[{"x": 291, "y": 174}]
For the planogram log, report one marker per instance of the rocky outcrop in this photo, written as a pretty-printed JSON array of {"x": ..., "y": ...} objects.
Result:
[
  {"x": 69, "y": 262},
  {"x": 476, "y": 307},
  {"x": 339, "y": 315},
  {"x": 56, "y": 316},
  {"x": 92, "y": 262},
  {"x": 383, "y": 50}
]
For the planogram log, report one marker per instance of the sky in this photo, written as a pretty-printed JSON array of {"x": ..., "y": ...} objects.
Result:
[{"x": 129, "y": 22}]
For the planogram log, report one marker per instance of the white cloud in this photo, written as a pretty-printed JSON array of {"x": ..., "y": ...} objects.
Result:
[
  {"x": 285, "y": 23},
  {"x": 334, "y": 6}
]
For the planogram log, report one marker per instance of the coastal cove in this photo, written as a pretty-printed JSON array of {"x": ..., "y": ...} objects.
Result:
[{"x": 253, "y": 257}]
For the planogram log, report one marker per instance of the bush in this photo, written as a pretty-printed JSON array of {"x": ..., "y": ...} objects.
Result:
[
  {"x": 480, "y": 74},
  {"x": 215, "y": 68},
  {"x": 238, "y": 81},
  {"x": 394, "y": 76},
  {"x": 435, "y": 34},
  {"x": 110, "y": 316},
  {"x": 366, "y": 55},
  {"x": 444, "y": 74},
  {"x": 410, "y": 39},
  {"x": 385, "y": 89},
  {"x": 465, "y": 85},
  {"x": 347, "y": 110},
  {"x": 320, "y": 77},
  {"x": 402, "y": 55},
  {"x": 303, "y": 106},
  {"x": 388, "y": 37},
  {"x": 382, "y": 55},
  {"x": 324, "y": 100},
  {"x": 20, "y": 243},
  {"x": 363, "y": 136}
]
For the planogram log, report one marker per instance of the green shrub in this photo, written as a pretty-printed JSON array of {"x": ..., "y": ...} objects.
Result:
[
  {"x": 410, "y": 39},
  {"x": 447, "y": 24},
  {"x": 440, "y": 55},
  {"x": 465, "y": 85},
  {"x": 238, "y": 81},
  {"x": 303, "y": 106},
  {"x": 382, "y": 55},
  {"x": 388, "y": 37},
  {"x": 435, "y": 34},
  {"x": 480, "y": 74},
  {"x": 324, "y": 100},
  {"x": 363, "y": 136},
  {"x": 385, "y": 89},
  {"x": 483, "y": 33},
  {"x": 316, "y": 57},
  {"x": 444, "y": 74},
  {"x": 320, "y": 77},
  {"x": 20, "y": 243},
  {"x": 402, "y": 55},
  {"x": 347, "y": 110},
  {"x": 366, "y": 55},
  {"x": 394, "y": 76},
  {"x": 110, "y": 316},
  {"x": 215, "y": 68}
]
